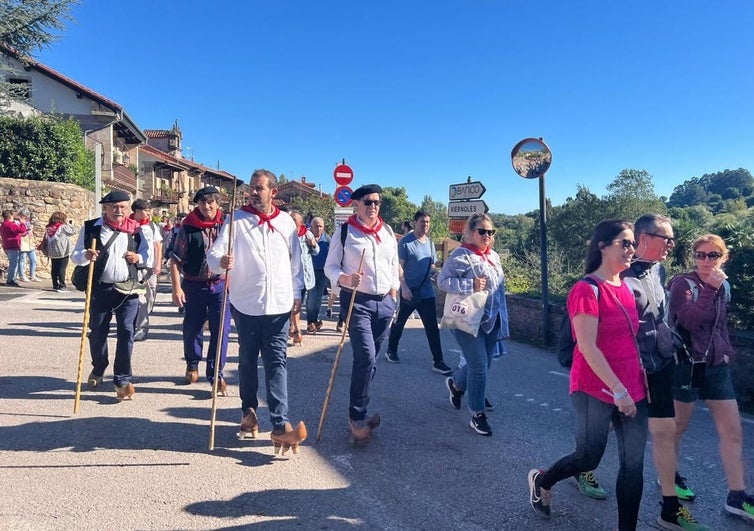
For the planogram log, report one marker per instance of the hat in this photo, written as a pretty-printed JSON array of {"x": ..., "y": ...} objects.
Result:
[
  {"x": 207, "y": 190},
  {"x": 116, "y": 196},
  {"x": 366, "y": 190}
]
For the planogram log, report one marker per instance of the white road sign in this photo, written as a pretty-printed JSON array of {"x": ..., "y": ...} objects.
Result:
[
  {"x": 463, "y": 209},
  {"x": 473, "y": 190}
]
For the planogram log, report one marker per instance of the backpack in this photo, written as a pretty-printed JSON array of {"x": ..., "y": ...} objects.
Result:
[{"x": 566, "y": 342}]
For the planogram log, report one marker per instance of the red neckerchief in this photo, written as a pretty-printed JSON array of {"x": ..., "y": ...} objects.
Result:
[
  {"x": 128, "y": 226},
  {"x": 484, "y": 254},
  {"x": 140, "y": 222},
  {"x": 263, "y": 218},
  {"x": 353, "y": 221},
  {"x": 52, "y": 229},
  {"x": 301, "y": 230},
  {"x": 194, "y": 219}
]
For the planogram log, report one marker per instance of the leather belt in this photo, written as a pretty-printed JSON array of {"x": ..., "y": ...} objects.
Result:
[{"x": 364, "y": 296}]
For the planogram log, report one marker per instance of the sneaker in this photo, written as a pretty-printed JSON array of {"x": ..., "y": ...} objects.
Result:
[
  {"x": 392, "y": 357},
  {"x": 24, "y": 279},
  {"x": 539, "y": 498},
  {"x": 589, "y": 486},
  {"x": 479, "y": 424},
  {"x": 488, "y": 405},
  {"x": 13, "y": 284},
  {"x": 740, "y": 505},
  {"x": 455, "y": 395},
  {"x": 682, "y": 489},
  {"x": 441, "y": 368},
  {"x": 33, "y": 279},
  {"x": 319, "y": 325},
  {"x": 339, "y": 328},
  {"x": 680, "y": 521}
]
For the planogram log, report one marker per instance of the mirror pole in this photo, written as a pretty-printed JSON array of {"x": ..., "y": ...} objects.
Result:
[{"x": 543, "y": 260}]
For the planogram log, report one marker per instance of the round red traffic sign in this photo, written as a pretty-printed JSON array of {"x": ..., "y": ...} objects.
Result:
[
  {"x": 343, "y": 174},
  {"x": 343, "y": 195}
]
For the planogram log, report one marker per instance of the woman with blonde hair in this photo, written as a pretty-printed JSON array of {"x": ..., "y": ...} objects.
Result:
[
  {"x": 698, "y": 309},
  {"x": 471, "y": 268}
]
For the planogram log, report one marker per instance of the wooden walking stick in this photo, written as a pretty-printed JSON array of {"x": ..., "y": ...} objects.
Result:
[
  {"x": 337, "y": 357},
  {"x": 218, "y": 351},
  {"x": 87, "y": 305}
]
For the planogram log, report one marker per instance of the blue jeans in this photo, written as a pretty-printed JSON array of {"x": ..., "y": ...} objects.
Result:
[
  {"x": 105, "y": 302},
  {"x": 472, "y": 377},
  {"x": 427, "y": 312},
  {"x": 593, "y": 418},
  {"x": 32, "y": 264},
  {"x": 268, "y": 335},
  {"x": 367, "y": 328},
  {"x": 204, "y": 301},
  {"x": 314, "y": 296},
  {"x": 10, "y": 275}
]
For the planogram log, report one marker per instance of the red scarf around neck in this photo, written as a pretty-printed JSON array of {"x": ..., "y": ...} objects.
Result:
[
  {"x": 194, "y": 219},
  {"x": 484, "y": 254},
  {"x": 128, "y": 226},
  {"x": 301, "y": 230},
  {"x": 263, "y": 218},
  {"x": 142, "y": 221},
  {"x": 52, "y": 229},
  {"x": 356, "y": 224}
]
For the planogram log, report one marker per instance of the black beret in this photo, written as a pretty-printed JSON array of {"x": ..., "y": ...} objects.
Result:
[
  {"x": 367, "y": 189},
  {"x": 116, "y": 196},
  {"x": 207, "y": 190}
]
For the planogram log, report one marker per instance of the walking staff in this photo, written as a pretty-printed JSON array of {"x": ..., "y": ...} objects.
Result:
[{"x": 87, "y": 305}]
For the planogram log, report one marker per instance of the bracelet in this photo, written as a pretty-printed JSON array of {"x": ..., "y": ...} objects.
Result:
[{"x": 622, "y": 394}]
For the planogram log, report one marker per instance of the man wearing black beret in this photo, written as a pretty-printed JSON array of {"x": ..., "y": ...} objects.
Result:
[
  {"x": 373, "y": 289},
  {"x": 200, "y": 292},
  {"x": 119, "y": 249}
]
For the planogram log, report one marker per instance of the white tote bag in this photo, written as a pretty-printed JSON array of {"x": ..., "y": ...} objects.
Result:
[{"x": 464, "y": 312}]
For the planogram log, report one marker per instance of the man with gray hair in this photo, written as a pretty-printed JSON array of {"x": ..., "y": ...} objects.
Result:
[{"x": 314, "y": 295}]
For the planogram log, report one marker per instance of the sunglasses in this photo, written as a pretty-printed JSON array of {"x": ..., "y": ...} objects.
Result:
[
  {"x": 482, "y": 232},
  {"x": 668, "y": 239},
  {"x": 701, "y": 255},
  {"x": 626, "y": 243},
  {"x": 370, "y": 202}
]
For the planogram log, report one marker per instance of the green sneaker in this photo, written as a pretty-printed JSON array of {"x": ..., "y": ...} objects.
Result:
[
  {"x": 589, "y": 486},
  {"x": 682, "y": 519},
  {"x": 742, "y": 506},
  {"x": 682, "y": 489}
]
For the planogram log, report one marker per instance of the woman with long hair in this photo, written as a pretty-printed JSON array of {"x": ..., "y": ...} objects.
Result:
[
  {"x": 471, "y": 268},
  {"x": 607, "y": 383},
  {"x": 698, "y": 309},
  {"x": 59, "y": 246}
]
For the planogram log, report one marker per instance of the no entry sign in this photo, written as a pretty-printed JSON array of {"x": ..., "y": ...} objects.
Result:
[
  {"x": 343, "y": 195},
  {"x": 343, "y": 174}
]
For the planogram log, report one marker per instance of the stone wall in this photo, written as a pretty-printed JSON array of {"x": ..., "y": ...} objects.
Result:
[{"x": 42, "y": 198}]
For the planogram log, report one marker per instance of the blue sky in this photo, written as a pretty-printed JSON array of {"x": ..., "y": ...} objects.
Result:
[{"x": 422, "y": 94}]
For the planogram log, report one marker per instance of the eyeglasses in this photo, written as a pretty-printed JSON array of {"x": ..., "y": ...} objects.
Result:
[
  {"x": 482, "y": 232},
  {"x": 669, "y": 240},
  {"x": 701, "y": 255},
  {"x": 626, "y": 243},
  {"x": 370, "y": 202}
]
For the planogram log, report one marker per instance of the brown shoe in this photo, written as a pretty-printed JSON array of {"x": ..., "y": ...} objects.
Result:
[
  {"x": 192, "y": 376},
  {"x": 222, "y": 387},
  {"x": 288, "y": 438},
  {"x": 249, "y": 427},
  {"x": 93, "y": 380},
  {"x": 125, "y": 392},
  {"x": 360, "y": 432},
  {"x": 311, "y": 328},
  {"x": 373, "y": 421}
]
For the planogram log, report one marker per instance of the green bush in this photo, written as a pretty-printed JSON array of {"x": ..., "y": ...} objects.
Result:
[{"x": 43, "y": 148}]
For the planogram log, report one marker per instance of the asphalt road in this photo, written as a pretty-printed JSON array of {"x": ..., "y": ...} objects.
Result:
[{"x": 145, "y": 464}]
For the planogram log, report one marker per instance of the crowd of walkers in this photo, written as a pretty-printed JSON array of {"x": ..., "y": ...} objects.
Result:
[{"x": 645, "y": 349}]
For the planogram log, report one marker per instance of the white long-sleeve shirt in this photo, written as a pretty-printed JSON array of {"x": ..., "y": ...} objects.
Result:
[
  {"x": 116, "y": 267},
  {"x": 266, "y": 275},
  {"x": 380, "y": 260}
]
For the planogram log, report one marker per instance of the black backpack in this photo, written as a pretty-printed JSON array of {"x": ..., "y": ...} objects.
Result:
[{"x": 566, "y": 343}]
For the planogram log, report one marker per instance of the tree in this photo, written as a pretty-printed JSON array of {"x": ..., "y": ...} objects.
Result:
[
  {"x": 396, "y": 208},
  {"x": 27, "y": 26},
  {"x": 438, "y": 214},
  {"x": 323, "y": 207},
  {"x": 631, "y": 195}
]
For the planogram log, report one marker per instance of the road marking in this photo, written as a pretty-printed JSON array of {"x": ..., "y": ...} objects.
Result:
[{"x": 557, "y": 373}]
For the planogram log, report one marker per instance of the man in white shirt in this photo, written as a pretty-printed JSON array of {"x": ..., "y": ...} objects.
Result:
[
  {"x": 374, "y": 288},
  {"x": 265, "y": 286},
  {"x": 142, "y": 214},
  {"x": 119, "y": 249}
]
